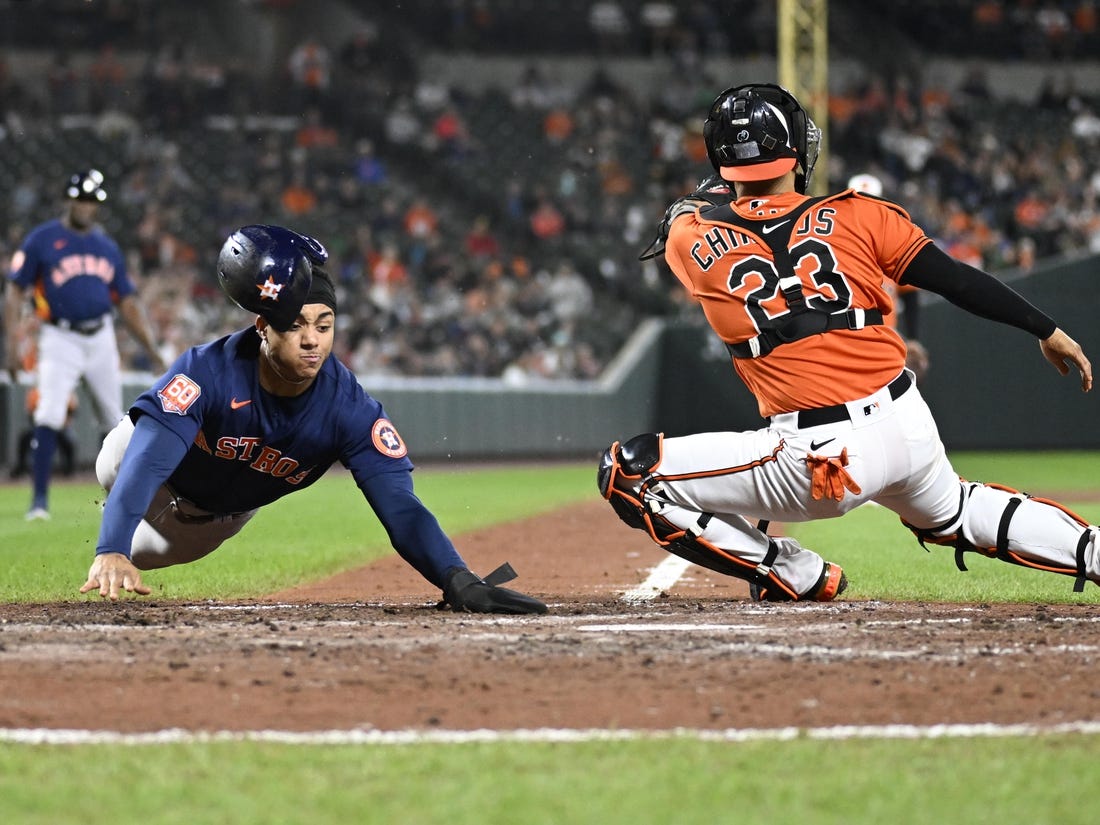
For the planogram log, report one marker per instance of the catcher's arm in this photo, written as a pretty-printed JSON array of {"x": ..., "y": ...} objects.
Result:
[
  {"x": 985, "y": 296},
  {"x": 712, "y": 191}
]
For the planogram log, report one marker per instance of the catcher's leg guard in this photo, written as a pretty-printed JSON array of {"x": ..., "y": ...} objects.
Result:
[
  {"x": 623, "y": 468},
  {"x": 626, "y": 479},
  {"x": 1034, "y": 532}
]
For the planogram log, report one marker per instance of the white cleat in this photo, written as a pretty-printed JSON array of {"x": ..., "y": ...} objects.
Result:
[{"x": 37, "y": 514}]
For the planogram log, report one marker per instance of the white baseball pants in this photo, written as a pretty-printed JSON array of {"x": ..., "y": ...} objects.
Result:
[
  {"x": 895, "y": 457},
  {"x": 64, "y": 357}
]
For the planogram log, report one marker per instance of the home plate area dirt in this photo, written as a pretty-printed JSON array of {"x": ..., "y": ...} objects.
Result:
[{"x": 370, "y": 651}]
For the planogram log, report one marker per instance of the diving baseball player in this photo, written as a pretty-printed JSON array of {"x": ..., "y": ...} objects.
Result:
[
  {"x": 242, "y": 421},
  {"x": 75, "y": 275},
  {"x": 794, "y": 287}
]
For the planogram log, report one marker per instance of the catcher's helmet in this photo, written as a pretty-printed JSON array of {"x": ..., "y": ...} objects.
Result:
[
  {"x": 268, "y": 270},
  {"x": 86, "y": 186},
  {"x": 759, "y": 132}
]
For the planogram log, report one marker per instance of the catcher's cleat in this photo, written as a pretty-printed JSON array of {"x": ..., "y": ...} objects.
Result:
[
  {"x": 767, "y": 593},
  {"x": 831, "y": 584}
]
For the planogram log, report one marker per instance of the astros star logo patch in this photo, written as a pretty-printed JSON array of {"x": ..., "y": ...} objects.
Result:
[
  {"x": 270, "y": 289},
  {"x": 386, "y": 439}
]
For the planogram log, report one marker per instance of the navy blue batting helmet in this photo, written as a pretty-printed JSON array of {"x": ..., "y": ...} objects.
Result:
[
  {"x": 268, "y": 270},
  {"x": 86, "y": 186}
]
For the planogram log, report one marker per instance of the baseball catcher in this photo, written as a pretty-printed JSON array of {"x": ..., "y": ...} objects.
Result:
[{"x": 794, "y": 287}]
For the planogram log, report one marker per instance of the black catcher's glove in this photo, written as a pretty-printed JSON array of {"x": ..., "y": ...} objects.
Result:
[
  {"x": 468, "y": 592},
  {"x": 712, "y": 191}
]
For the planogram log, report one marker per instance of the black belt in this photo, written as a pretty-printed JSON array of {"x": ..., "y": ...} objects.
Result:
[
  {"x": 833, "y": 415},
  {"x": 179, "y": 504},
  {"x": 88, "y": 327}
]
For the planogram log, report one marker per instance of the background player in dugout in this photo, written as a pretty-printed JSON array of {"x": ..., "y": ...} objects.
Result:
[
  {"x": 794, "y": 287},
  {"x": 246, "y": 419},
  {"x": 75, "y": 274}
]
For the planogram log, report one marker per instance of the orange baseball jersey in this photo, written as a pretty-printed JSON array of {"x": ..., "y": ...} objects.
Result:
[{"x": 841, "y": 248}]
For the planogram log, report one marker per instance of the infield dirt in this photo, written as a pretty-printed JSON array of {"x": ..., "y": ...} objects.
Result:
[{"x": 370, "y": 650}]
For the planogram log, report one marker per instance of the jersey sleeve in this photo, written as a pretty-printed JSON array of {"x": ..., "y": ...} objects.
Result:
[
  {"x": 25, "y": 262},
  {"x": 150, "y": 457},
  {"x": 369, "y": 442},
  {"x": 378, "y": 459},
  {"x": 898, "y": 238},
  {"x": 179, "y": 397},
  {"x": 413, "y": 531}
]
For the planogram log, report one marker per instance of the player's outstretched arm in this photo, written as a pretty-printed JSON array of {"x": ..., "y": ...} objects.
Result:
[
  {"x": 983, "y": 295},
  {"x": 1059, "y": 349},
  {"x": 112, "y": 571},
  {"x": 417, "y": 537}
]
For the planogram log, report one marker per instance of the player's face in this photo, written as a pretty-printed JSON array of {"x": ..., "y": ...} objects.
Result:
[
  {"x": 82, "y": 214},
  {"x": 298, "y": 353}
]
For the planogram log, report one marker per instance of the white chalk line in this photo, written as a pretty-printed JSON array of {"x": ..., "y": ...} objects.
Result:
[
  {"x": 660, "y": 578},
  {"x": 172, "y": 736}
]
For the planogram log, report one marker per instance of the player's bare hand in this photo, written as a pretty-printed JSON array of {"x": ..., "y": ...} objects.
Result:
[
  {"x": 1059, "y": 349},
  {"x": 112, "y": 572}
]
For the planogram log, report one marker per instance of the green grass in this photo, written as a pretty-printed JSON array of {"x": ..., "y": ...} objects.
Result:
[
  {"x": 682, "y": 781},
  {"x": 1034, "y": 472},
  {"x": 311, "y": 534}
]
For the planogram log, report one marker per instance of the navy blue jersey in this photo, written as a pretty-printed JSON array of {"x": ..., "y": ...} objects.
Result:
[
  {"x": 75, "y": 276},
  {"x": 247, "y": 447}
]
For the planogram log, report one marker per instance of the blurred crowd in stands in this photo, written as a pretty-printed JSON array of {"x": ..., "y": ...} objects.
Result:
[
  {"x": 498, "y": 233},
  {"x": 999, "y": 29}
]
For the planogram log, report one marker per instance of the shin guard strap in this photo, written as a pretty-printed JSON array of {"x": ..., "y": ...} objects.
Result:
[
  {"x": 1001, "y": 550},
  {"x": 1002, "y": 528},
  {"x": 765, "y": 566},
  {"x": 962, "y": 546},
  {"x": 1082, "y": 543}
]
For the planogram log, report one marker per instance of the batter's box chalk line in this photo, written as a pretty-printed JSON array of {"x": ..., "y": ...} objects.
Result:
[{"x": 660, "y": 579}]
